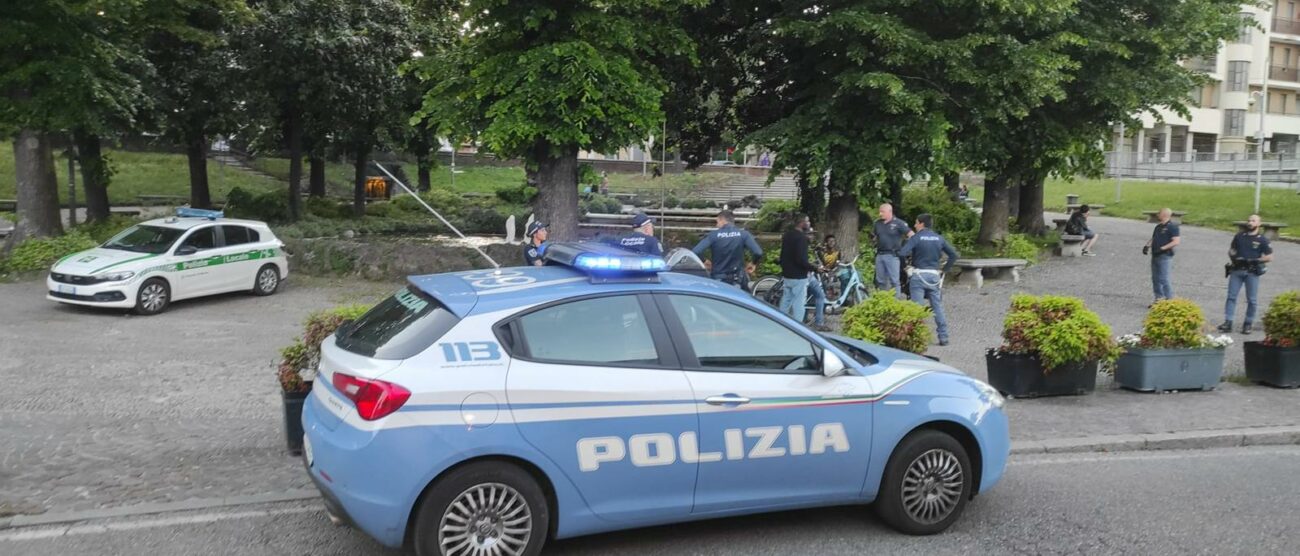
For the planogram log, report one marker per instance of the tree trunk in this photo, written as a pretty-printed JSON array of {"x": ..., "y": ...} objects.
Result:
[
  {"x": 993, "y": 223},
  {"x": 557, "y": 191},
  {"x": 812, "y": 196},
  {"x": 1013, "y": 196},
  {"x": 196, "y": 151},
  {"x": 37, "y": 189},
  {"x": 359, "y": 181},
  {"x": 94, "y": 174},
  {"x": 1030, "y": 220},
  {"x": 896, "y": 193},
  {"x": 316, "y": 176},
  {"x": 842, "y": 220},
  {"x": 293, "y": 140},
  {"x": 424, "y": 168},
  {"x": 952, "y": 182}
]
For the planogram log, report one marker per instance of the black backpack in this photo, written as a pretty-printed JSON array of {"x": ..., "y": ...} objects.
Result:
[{"x": 1072, "y": 227}]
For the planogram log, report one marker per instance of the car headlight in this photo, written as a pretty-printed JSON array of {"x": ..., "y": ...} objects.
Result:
[
  {"x": 995, "y": 398},
  {"x": 115, "y": 276}
]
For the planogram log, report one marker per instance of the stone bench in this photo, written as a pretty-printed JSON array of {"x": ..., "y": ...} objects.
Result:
[
  {"x": 994, "y": 268},
  {"x": 1070, "y": 246},
  {"x": 1153, "y": 216},
  {"x": 1270, "y": 230},
  {"x": 8, "y": 205},
  {"x": 1060, "y": 223}
]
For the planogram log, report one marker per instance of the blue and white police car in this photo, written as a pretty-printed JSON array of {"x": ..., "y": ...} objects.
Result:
[
  {"x": 149, "y": 265},
  {"x": 486, "y": 412}
]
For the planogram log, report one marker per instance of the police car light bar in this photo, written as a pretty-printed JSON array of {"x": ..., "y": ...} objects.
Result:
[
  {"x": 187, "y": 212},
  {"x": 605, "y": 261}
]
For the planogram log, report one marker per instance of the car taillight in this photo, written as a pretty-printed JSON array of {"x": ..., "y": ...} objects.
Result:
[{"x": 374, "y": 398}]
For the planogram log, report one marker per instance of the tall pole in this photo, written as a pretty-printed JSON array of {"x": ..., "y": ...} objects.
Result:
[
  {"x": 1259, "y": 141},
  {"x": 663, "y": 186},
  {"x": 453, "y": 166},
  {"x": 72, "y": 188},
  {"x": 1119, "y": 162}
]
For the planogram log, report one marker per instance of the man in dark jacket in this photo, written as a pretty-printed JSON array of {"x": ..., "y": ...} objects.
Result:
[
  {"x": 926, "y": 249},
  {"x": 1249, "y": 253},
  {"x": 729, "y": 244},
  {"x": 795, "y": 267},
  {"x": 642, "y": 239}
]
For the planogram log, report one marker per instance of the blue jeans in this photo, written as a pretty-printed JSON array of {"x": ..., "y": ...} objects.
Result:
[
  {"x": 922, "y": 285},
  {"x": 793, "y": 294},
  {"x": 1160, "y": 267},
  {"x": 1235, "y": 280},
  {"x": 887, "y": 266},
  {"x": 819, "y": 301}
]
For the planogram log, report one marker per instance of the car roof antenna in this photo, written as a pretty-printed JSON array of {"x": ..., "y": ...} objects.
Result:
[{"x": 399, "y": 183}]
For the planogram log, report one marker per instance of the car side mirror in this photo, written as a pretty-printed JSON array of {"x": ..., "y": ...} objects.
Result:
[
  {"x": 187, "y": 250},
  {"x": 832, "y": 365}
]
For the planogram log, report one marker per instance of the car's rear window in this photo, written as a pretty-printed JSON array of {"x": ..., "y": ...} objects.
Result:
[{"x": 398, "y": 327}]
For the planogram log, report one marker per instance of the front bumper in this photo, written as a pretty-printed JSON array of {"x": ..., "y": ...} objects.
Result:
[{"x": 111, "y": 294}]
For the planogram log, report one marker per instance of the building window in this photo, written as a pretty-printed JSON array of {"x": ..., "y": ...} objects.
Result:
[
  {"x": 1243, "y": 32},
  {"x": 1234, "y": 123},
  {"x": 1237, "y": 75}
]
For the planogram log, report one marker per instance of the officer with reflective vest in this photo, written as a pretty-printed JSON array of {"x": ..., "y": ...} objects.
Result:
[
  {"x": 729, "y": 244},
  {"x": 926, "y": 248},
  {"x": 642, "y": 239}
]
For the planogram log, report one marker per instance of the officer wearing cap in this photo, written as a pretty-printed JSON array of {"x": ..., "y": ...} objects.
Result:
[
  {"x": 642, "y": 239},
  {"x": 535, "y": 246},
  {"x": 729, "y": 244},
  {"x": 926, "y": 249}
]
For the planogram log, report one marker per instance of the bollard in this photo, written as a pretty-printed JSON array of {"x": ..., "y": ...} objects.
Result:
[{"x": 1071, "y": 199}]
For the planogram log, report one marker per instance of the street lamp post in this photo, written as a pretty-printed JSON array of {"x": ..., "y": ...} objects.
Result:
[{"x": 1259, "y": 134}]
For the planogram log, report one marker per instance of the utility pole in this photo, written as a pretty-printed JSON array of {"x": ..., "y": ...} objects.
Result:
[
  {"x": 1259, "y": 134},
  {"x": 1119, "y": 162},
  {"x": 72, "y": 186}
]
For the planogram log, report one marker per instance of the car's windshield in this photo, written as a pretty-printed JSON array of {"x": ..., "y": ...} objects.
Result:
[{"x": 144, "y": 239}]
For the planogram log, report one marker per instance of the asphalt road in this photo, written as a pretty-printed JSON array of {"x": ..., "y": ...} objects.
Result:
[{"x": 1232, "y": 501}]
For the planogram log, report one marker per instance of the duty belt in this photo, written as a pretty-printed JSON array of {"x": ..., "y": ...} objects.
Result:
[{"x": 927, "y": 270}]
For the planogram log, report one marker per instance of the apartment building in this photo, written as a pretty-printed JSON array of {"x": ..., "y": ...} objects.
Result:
[{"x": 1225, "y": 121}]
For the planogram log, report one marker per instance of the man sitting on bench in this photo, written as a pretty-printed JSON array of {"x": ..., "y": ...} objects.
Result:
[{"x": 1078, "y": 226}]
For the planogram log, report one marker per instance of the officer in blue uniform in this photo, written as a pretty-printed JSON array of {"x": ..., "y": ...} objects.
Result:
[
  {"x": 925, "y": 248},
  {"x": 1164, "y": 238},
  {"x": 1249, "y": 253},
  {"x": 729, "y": 244},
  {"x": 535, "y": 246},
  {"x": 642, "y": 239}
]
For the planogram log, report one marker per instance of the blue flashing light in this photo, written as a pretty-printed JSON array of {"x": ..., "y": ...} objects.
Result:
[
  {"x": 591, "y": 261},
  {"x": 187, "y": 212}
]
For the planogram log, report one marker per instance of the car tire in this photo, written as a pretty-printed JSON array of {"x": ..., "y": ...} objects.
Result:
[
  {"x": 153, "y": 297},
  {"x": 267, "y": 280},
  {"x": 512, "y": 494},
  {"x": 926, "y": 485}
]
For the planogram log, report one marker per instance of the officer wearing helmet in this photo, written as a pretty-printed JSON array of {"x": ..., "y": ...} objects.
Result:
[
  {"x": 535, "y": 245},
  {"x": 642, "y": 239}
]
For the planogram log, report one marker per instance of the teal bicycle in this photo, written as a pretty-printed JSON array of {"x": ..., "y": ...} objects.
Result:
[{"x": 844, "y": 288}]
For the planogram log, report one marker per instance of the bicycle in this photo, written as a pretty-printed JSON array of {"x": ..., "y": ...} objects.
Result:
[{"x": 769, "y": 288}]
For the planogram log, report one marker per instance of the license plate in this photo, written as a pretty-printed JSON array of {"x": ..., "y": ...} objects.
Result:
[
  {"x": 306, "y": 449},
  {"x": 67, "y": 289}
]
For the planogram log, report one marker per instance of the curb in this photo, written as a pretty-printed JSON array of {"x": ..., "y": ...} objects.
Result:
[
  {"x": 1192, "y": 440},
  {"x": 157, "y": 508}
]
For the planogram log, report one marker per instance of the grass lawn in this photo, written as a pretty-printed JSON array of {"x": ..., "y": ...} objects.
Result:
[
  {"x": 139, "y": 174},
  {"x": 1208, "y": 206}
]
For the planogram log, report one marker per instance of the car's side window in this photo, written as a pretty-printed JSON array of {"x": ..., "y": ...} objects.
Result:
[
  {"x": 726, "y": 336},
  {"x": 203, "y": 238},
  {"x": 598, "y": 331},
  {"x": 236, "y": 235}
]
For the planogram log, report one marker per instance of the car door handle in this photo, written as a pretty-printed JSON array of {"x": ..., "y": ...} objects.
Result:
[{"x": 729, "y": 399}]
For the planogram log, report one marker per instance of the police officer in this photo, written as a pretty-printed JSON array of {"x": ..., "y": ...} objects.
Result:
[
  {"x": 642, "y": 239},
  {"x": 729, "y": 244},
  {"x": 1164, "y": 238},
  {"x": 926, "y": 278},
  {"x": 890, "y": 233},
  {"x": 535, "y": 246},
  {"x": 1249, "y": 252}
]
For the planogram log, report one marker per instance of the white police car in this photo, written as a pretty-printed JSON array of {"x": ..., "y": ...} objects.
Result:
[
  {"x": 149, "y": 265},
  {"x": 486, "y": 412}
]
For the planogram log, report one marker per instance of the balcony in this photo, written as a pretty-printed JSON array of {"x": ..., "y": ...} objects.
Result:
[
  {"x": 1282, "y": 73},
  {"x": 1288, "y": 26},
  {"x": 1208, "y": 65}
]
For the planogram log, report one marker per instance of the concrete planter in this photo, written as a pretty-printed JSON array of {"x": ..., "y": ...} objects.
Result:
[
  {"x": 1023, "y": 376},
  {"x": 1156, "y": 370},
  {"x": 293, "y": 419},
  {"x": 1275, "y": 366}
]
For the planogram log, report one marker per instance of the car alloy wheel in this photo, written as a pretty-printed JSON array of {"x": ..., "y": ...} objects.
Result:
[
  {"x": 490, "y": 519},
  {"x": 932, "y": 486},
  {"x": 153, "y": 297},
  {"x": 267, "y": 280}
]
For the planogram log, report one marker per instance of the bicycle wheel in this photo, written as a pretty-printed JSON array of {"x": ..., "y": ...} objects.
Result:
[
  {"x": 773, "y": 295},
  {"x": 759, "y": 288}
]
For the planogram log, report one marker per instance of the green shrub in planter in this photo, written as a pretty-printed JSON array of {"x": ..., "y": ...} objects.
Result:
[
  {"x": 1058, "y": 329},
  {"x": 1282, "y": 321},
  {"x": 1172, "y": 352},
  {"x": 886, "y": 320},
  {"x": 304, "y": 353}
]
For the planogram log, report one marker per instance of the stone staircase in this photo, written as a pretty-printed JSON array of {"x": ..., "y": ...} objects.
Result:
[
  {"x": 239, "y": 162},
  {"x": 782, "y": 188}
]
